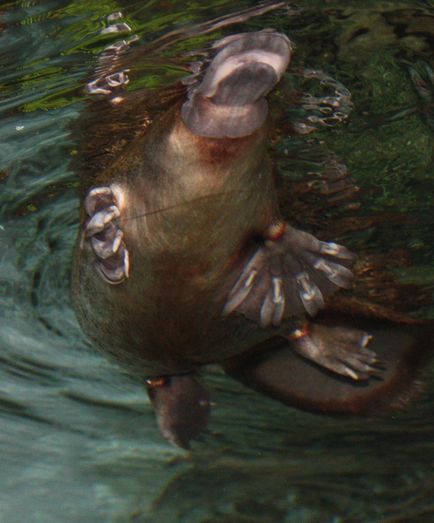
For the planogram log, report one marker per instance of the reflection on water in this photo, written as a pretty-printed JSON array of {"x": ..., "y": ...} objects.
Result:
[{"x": 78, "y": 438}]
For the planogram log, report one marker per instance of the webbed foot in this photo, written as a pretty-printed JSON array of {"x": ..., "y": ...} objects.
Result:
[
  {"x": 275, "y": 369},
  {"x": 182, "y": 407},
  {"x": 290, "y": 274},
  {"x": 104, "y": 235},
  {"x": 340, "y": 349}
]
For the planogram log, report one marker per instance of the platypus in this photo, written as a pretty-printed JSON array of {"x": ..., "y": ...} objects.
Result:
[{"x": 184, "y": 259}]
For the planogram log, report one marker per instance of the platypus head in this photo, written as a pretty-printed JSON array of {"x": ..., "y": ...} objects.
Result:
[{"x": 230, "y": 100}]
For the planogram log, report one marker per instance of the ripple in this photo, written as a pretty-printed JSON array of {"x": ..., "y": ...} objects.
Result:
[{"x": 78, "y": 436}]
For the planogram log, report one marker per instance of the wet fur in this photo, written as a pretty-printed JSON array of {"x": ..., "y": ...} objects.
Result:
[{"x": 179, "y": 261}]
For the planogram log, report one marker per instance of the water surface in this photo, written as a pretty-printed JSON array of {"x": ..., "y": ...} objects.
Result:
[{"x": 77, "y": 435}]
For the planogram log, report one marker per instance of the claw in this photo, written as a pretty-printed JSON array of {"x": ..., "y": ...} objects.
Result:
[
  {"x": 98, "y": 197},
  {"x": 334, "y": 249},
  {"x": 310, "y": 294},
  {"x": 369, "y": 356},
  {"x": 251, "y": 279},
  {"x": 108, "y": 246},
  {"x": 115, "y": 270},
  {"x": 240, "y": 292},
  {"x": 267, "y": 310},
  {"x": 278, "y": 297},
  {"x": 349, "y": 372},
  {"x": 278, "y": 301},
  {"x": 100, "y": 220},
  {"x": 337, "y": 274},
  {"x": 126, "y": 263},
  {"x": 365, "y": 340},
  {"x": 244, "y": 284}
]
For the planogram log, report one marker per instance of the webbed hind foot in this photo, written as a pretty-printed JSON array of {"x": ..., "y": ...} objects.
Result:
[
  {"x": 340, "y": 349},
  {"x": 276, "y": 370},
  {"x": 289, "y": 275}
]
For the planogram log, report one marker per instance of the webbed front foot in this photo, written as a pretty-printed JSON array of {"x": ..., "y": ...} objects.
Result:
[
  {"x": 104, "y": 235},
  {"x": 290, "y": 274},
  {"x": 340, "y": 349}
]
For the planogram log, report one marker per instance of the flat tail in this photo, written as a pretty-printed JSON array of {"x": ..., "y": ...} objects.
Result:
[{"x": 280, "y": 373}]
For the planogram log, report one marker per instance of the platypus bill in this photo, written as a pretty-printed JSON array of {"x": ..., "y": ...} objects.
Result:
[{"x": 183, "y": 258}]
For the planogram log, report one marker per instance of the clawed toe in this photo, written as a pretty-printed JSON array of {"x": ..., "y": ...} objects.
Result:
[
  {"x": 356, "y": 366},
  {"x": 360, "y": 362}
]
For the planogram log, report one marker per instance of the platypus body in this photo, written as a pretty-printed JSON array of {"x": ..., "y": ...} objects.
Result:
[
  {"x": 178, "y": 195},
  {"x": 183, "y": 258}
]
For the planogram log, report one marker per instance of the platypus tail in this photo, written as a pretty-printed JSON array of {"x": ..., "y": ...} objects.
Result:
[{"x": 230, "y": 102}]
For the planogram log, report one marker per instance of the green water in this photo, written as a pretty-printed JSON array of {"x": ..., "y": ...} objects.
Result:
[{"x": 78, "y": 439}]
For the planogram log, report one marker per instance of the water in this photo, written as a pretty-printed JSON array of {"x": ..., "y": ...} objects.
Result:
[{"x": 78, "y": 438}]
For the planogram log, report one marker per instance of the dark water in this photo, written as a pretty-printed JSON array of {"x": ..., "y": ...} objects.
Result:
[{"x": 77, "y": 436}]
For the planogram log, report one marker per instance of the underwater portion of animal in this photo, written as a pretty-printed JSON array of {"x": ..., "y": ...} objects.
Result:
[{"x": 184, "y": 258}]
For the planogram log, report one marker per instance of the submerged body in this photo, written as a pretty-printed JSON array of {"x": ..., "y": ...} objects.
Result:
[
  {"x": 179, "y": 195},
  {"x": 183, "y": 258}
]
